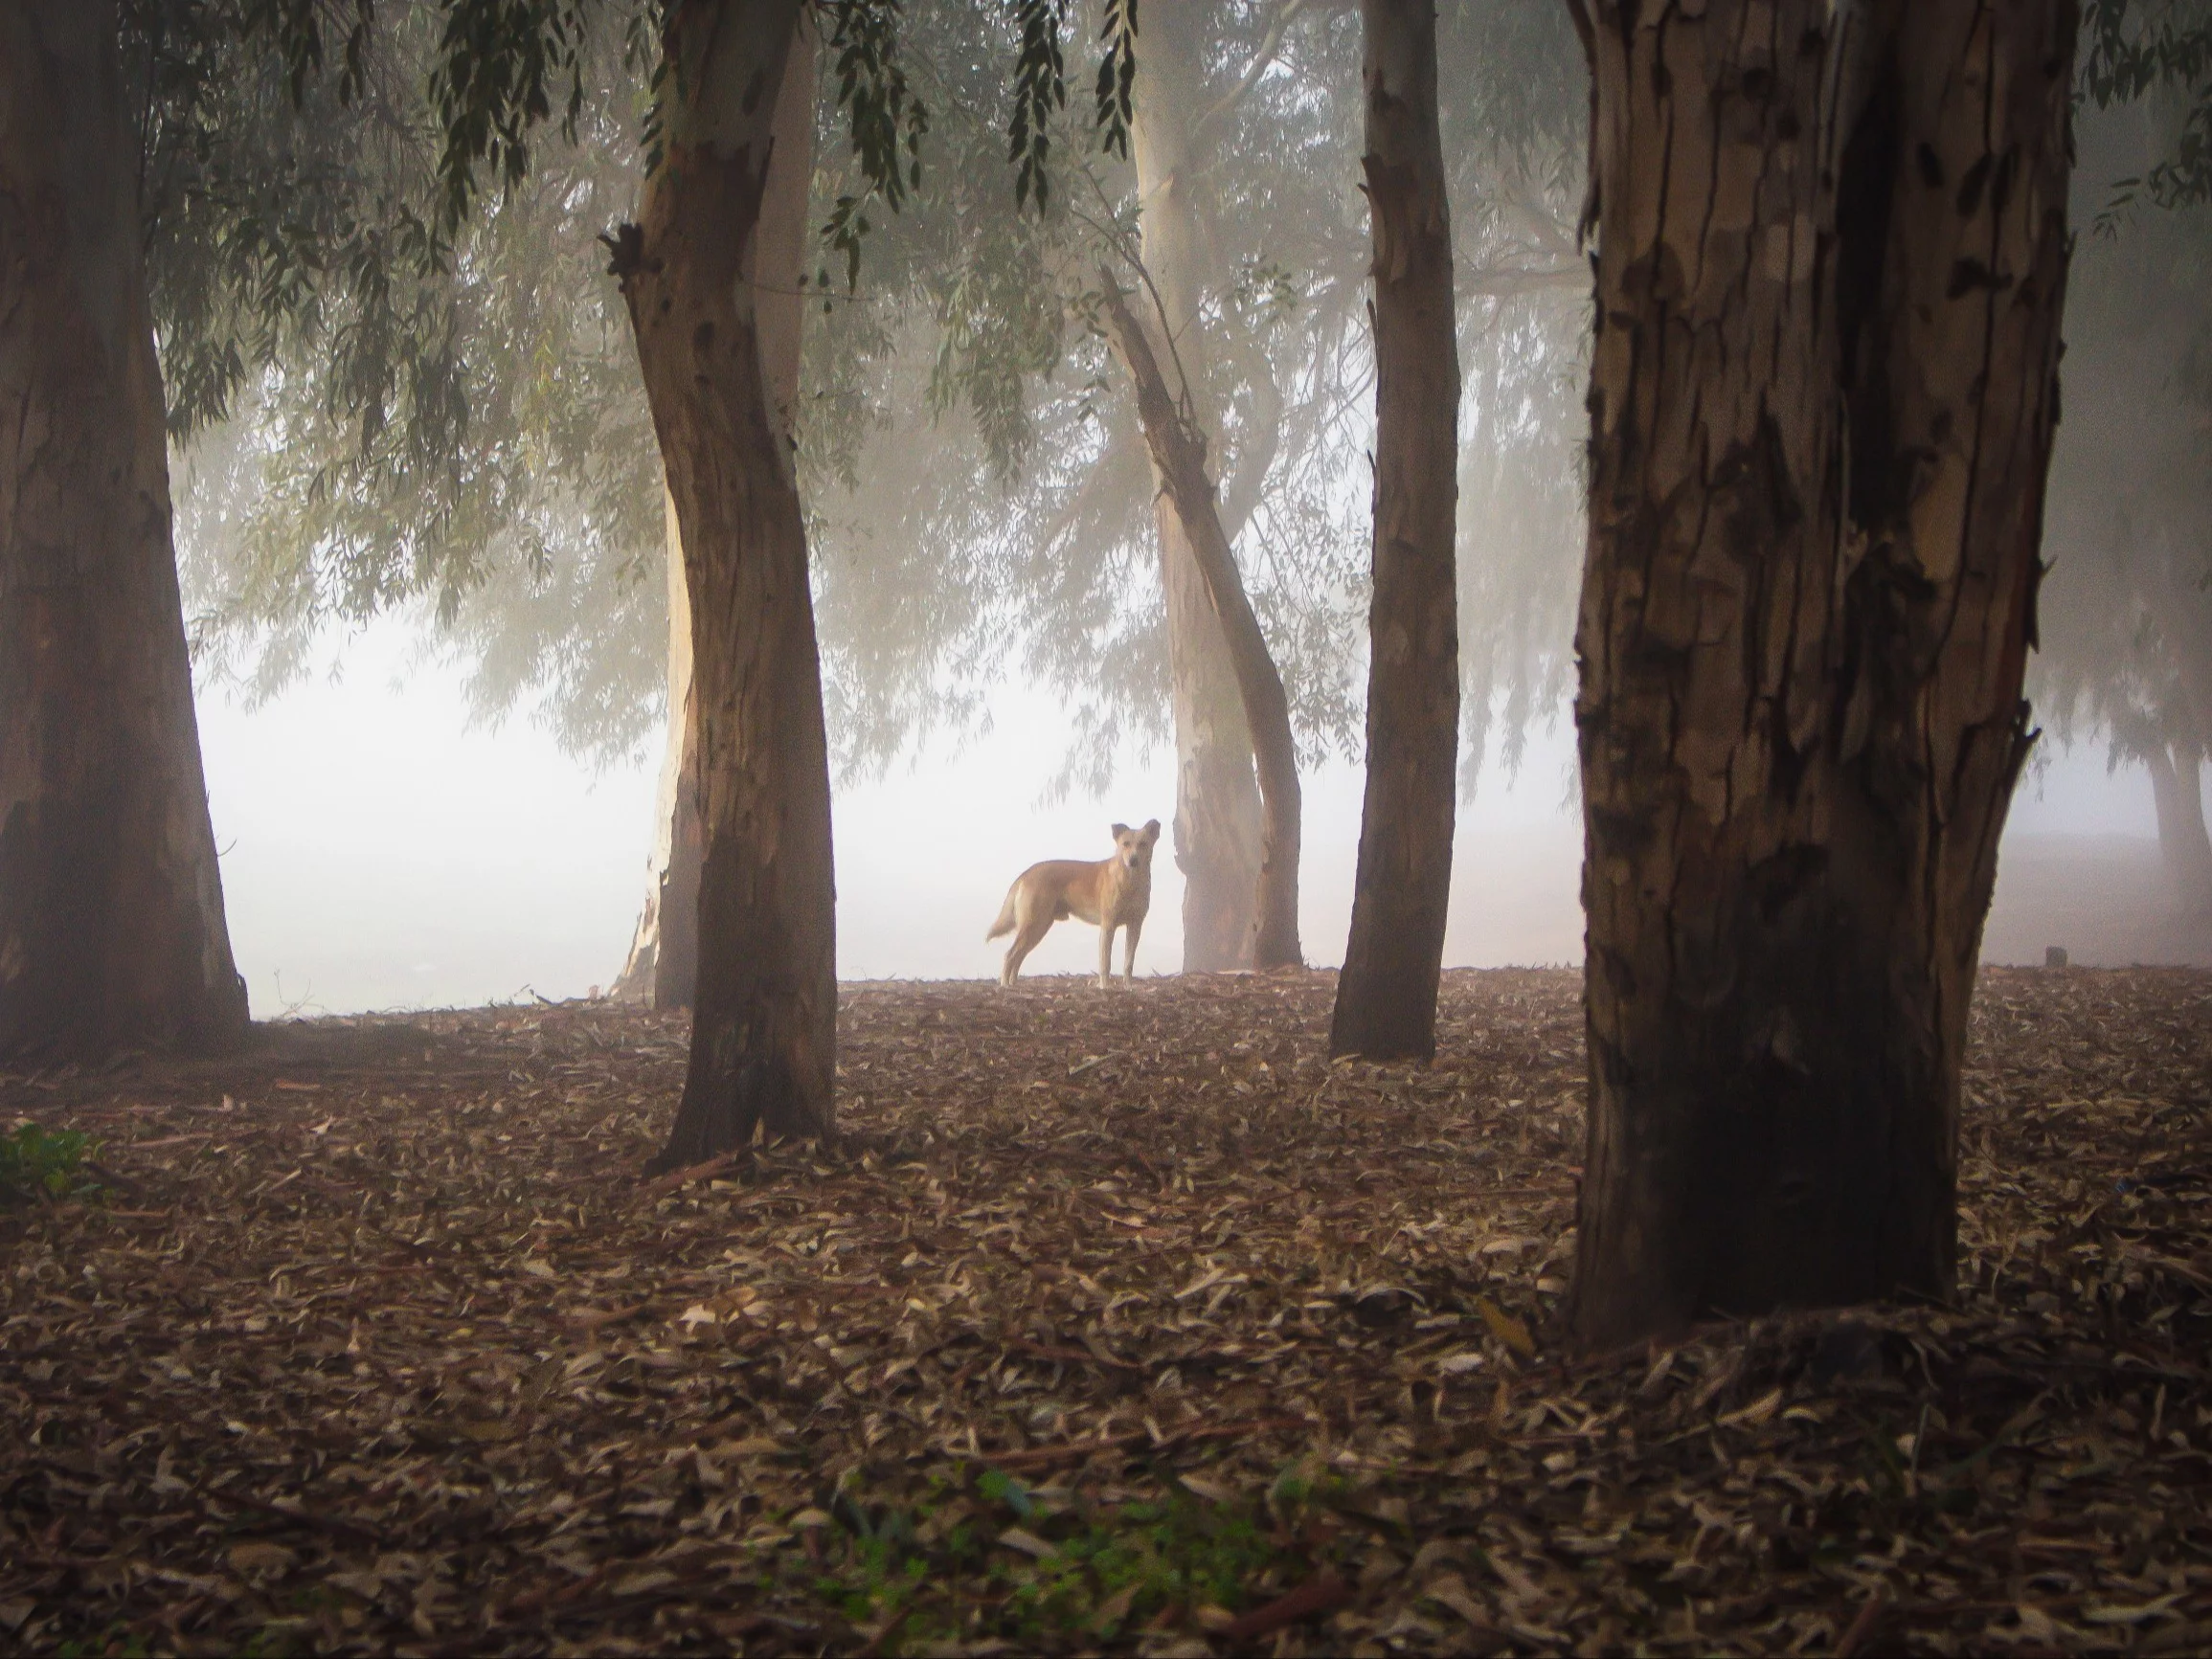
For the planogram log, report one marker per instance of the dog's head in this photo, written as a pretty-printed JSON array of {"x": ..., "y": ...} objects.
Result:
[{"x": 1134, "y": 846}]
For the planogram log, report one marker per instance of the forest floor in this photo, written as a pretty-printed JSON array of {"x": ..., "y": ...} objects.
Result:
[{"x": 1109, "y": 1320}]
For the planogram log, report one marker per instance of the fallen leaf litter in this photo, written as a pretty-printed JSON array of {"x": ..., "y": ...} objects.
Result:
[{"x": 1113, "y": 1320}]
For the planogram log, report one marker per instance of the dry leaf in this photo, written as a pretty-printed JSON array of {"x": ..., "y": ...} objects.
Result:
[
  {"x": 357, "y": 1365},
  {"x": 1505, "y": 1326}
]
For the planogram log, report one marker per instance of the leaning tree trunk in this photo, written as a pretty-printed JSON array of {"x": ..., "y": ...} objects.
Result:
[
  {"x": 663, "y": 967},
  {"x": 1179, "y": 463},
  {"x": 764, "y": 1018},
  {"x": 1831, "y": 256},
  {"x": 1387, "y": 995},
  {"x": 1217, "y": 807},
  {"x": 111, "y": 903}
]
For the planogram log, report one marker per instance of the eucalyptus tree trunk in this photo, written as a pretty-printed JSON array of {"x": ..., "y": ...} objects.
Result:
[
  {"x": 1217, "y": 805},
  {"x": 2184, "y": 847},
  {"x": 1387, "y": 995},
  {"x": 1179, "y": 465},
  {"x": 1831, "y": 259},
  {"x": 764, "y": 1015},
  {"x": 111, "y": 905},
  {"x": 663, "y": 966}
]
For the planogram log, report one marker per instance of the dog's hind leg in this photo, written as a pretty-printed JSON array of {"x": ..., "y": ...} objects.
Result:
[
  {"x": 1027, "y": 937},
  {"x": 1129, "y": 951}
]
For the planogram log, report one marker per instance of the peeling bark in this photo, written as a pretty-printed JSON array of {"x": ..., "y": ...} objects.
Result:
[
  {"x": 1831, "y": 261},
  {"x": 111, "y": 910},
  {"x": 1179, "y": 463},
  {"x": 663, "y": 966},
  {"x": 764, "y": 1023},
  {"x": 1387, "y": 995}
]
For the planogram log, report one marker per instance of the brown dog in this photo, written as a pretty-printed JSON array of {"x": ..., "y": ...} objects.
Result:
[{"x": 1113, "y": 893}]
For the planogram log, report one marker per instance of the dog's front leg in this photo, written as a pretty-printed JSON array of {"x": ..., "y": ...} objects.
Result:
[
  {"x": 1105, "y": 952},
  {"x": 1129, "y": 951}
]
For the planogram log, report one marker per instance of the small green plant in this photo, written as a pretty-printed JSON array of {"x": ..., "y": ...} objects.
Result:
[
  {"x": 118, "y": 1642},
  {"x": 33, "y": 1161},
  {"x": 985, "y": 1555}
]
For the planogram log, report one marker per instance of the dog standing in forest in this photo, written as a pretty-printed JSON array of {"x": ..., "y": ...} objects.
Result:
[{"x": 1113, "y": 893}]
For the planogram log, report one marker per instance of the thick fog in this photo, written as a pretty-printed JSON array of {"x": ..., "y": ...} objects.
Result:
[
  {"x": 453, "y": 801},
  {"x": 380, "y": 852}
]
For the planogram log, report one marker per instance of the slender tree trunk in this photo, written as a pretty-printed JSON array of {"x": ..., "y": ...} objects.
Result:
[
  {"x": 664, "y": 962},
  {"x": 1387, "y": 995},
  {"x": 1831, "y": 258},
  {"x": 2184, "y": 847},
  {"x": 1217, "y": 807},
  {"x": 111, "y": 905},
  {"x": 1179, "y": 463},
  {"x": 764, "y": 1020}
]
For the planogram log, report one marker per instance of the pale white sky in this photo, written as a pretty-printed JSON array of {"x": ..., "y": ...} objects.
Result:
[{"x": 379, "y": 854}]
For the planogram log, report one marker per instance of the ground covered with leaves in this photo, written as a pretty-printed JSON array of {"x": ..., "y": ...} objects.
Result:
[{"x": 1113, "y": 1320}]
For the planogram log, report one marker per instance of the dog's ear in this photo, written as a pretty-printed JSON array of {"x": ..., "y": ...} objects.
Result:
[
  {"x": 1152, "y": 829},
  {"x": 1120, "y": 830}
]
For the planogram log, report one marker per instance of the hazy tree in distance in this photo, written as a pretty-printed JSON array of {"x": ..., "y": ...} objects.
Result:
[
  {"x": 973, "y": 468},
  {"x": 1217, "y": 829},
  {"x": 1186, "y": 492},
  {"x": 2127, "y": 611},
  {"x": 1831, "y": 254},
  {"x": 1387, "y": 995}
]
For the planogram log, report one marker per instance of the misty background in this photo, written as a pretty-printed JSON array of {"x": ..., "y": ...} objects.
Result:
[
  {"x": 379, "y": 853},
  {"x": 430, "y": 625}
]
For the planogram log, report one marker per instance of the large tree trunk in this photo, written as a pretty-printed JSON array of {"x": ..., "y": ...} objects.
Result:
[
  {"x": 663, "y": 966},
  {"x": 765, "y": 1019},
  {"x": 1217, "y": 808},
  {"x": 2184, "y": 847},
  {"x": 111, "y": 906},
  {"x": 1387, "y": 995},
  {"x": 1831, "y": 256},
  {"x": 1179, "y": 463}
]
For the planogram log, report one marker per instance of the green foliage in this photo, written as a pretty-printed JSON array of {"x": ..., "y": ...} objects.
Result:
[
  {"x": 1115, "y": 93},
  {"x": 120, "y": 1642},
  {"x": 453, "y": 421},
  {"x": 949, "y": 1570},
  {"x": 1040, "y": 89},
  {"x": 888, "y": 121},
  {"x": 275, "y": 203},
  {"x": 2132, "y": 49},
  {"x": 2126, "y": 612},
  {"x": 498, "y": 67},
  {"x": 37, "y": 1162}
]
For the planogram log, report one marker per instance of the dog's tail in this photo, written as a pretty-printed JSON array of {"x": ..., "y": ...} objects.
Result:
[{"x": 1005, "y": 922}]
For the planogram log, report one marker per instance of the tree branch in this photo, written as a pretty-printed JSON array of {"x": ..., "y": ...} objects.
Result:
[{"x": 1270, "y": 44}]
